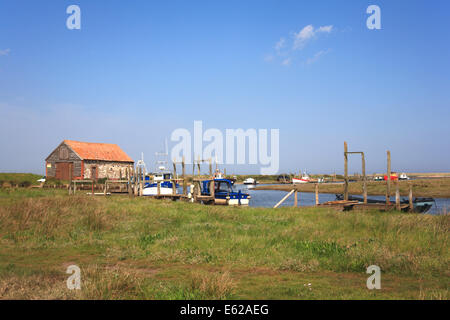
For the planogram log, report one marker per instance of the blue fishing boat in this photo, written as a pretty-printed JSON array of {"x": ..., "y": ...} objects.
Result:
[{"x": 224, "y": 193}]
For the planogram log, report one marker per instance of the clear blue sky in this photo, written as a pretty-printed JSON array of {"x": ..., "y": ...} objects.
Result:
[{"x": 137, "y": 70}]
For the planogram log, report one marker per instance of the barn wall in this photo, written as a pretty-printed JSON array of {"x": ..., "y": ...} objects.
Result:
[
  {"x": 67, "y": 156},
  {"x": 106, "y": 169}
]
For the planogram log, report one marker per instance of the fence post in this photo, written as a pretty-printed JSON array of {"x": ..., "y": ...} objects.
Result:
[
  {"x": 70, "y": 177},
  {"x": 317, "y": 194},
  {"x": 345, "y": 171},
  {"x": 296, "y": 199},
  {"x": 184, "y": 176},
  {"x": 410, "y": 196},
  {"x": 388, "y": 182},
  {"x": 141, "y": 182},
  {"x": 397, "y": 197}
]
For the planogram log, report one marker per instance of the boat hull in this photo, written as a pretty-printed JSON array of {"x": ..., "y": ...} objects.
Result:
[
  {"x": 153, "y": 191},
  {"x": 299, "y": 181}
]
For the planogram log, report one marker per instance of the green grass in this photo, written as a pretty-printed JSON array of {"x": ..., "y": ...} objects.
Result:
[
  {"x": 21, "y": 179},
  {"x": 139, "y": 248}
]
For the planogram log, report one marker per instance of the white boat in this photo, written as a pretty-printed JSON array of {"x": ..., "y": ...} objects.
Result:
[
  {"x": 250, "y": 181},
  {"x": 305, "y": 178},
  {"x": 162, "y": 177},
  {"x": 165, "y": 186},
  {"x": 403, "y": 176}
]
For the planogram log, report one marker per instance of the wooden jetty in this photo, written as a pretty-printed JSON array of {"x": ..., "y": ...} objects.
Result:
[{"x": 345, "y": 205}]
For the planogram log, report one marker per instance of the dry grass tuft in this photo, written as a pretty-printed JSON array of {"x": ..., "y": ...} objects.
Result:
[{"x": 213, "y": 286}]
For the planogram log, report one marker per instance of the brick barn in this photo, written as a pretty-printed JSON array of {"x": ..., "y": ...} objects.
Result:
[{"x": 87, "y": 160}]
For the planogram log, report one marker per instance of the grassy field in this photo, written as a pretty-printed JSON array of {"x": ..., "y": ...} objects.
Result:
[
  {"x": 437, "y": 188},
  {"x": 148, "y": 249},
  {"x": 19, "y": 179}
]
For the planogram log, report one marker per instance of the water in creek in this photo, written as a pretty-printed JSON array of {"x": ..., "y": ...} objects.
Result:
[{"x": 268, "y": 198}]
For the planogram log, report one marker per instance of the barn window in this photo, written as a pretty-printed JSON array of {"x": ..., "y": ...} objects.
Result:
[{"x": 63, "y": 153}]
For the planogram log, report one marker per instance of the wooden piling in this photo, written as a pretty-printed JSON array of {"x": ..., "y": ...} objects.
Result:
[
  {"x": 130, "y": 190},
  {"x": 363, "y": 159},
  {"x": 134, "y": 182},
  {"x": 410, "y": 198},
  {"x": 210, "y": 168},
  {"x": 141, "y": 182},
  {"x": 296, "y": 199},
  {"x": 70, "y": 177},
  {"x": 174, "y": 168},
  {"x": 317, "y": 194},
  {"x": 184, "y": 176},
  {"x": 345, "y": 171},
  {"x": 388, "y": 182},
  {"x": 397, "y": 197}
]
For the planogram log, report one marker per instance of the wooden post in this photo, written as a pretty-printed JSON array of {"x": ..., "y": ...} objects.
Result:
[
  {"x": 70, "y": 177},
  {"x": 134, "y": 182},
  {"x": 296, "y": 199},
  {"x": 174, "y": 187},
  {"x": 388, "y": 182},
  {"x": 410, "y": 196},
  {"x": 210, "y": 168},
  {"x": 130, "y": 190},
  {"x": 141, "y": 182},
  {"x": 198, "y": 165},
  {"x": 397, "y": 197},
  {"x": 345, "y": 171},
  {"x": 158, "y": 188},
  {"x": 106, "y": 187},
  {"x": 184, "y": 176},
  {"x": 363, "y": 159},
  {"x": 213, "y": 190},
  {"x": 317, "y": 194},
  {"x": 174, "y": 168}
]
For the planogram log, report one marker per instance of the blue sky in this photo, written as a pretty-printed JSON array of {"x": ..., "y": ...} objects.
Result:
[{"x": 137, "y": 70}]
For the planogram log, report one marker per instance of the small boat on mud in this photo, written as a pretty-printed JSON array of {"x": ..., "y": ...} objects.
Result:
[
  {"x": 305, "y": 178},
  {"x": 224, "y": 193},
  {"x": 403, "y": 176},
  {"x": 250, "y": 181},
  {"x": 421, "y": 205}
]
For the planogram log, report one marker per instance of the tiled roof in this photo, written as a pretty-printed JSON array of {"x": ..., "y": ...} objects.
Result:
[{"x": 98, "y": 151}]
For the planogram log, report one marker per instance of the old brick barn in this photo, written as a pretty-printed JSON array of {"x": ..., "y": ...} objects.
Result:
[{"x": 87, "y": 160}]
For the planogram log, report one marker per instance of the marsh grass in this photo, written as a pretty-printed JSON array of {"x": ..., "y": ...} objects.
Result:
[{"x": 134, "y": 248}]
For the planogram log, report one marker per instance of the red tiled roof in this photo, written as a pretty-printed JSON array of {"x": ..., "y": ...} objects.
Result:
[{"x": 98, "y": 151}]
